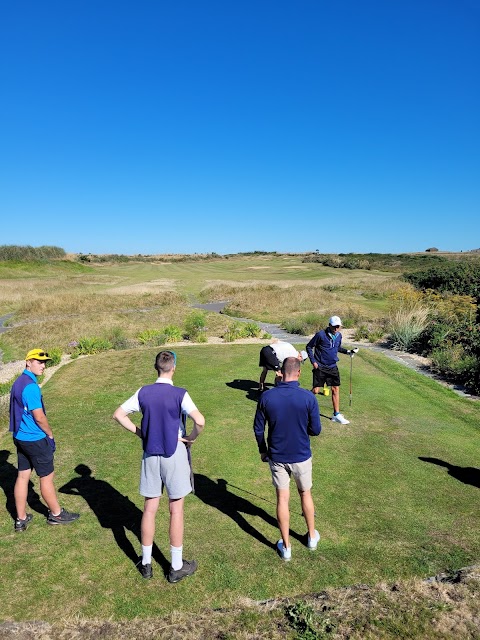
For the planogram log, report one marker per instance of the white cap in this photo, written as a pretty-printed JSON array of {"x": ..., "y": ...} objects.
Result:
[
  {"x": 335, "y": 321},
  {"x": 304, "y": 355}
]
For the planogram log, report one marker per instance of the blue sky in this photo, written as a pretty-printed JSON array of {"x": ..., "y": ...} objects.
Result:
[{"x": 220, "y": 125}]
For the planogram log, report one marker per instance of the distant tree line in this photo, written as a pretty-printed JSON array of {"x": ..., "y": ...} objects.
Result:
[{"x": 27, "y": 253}]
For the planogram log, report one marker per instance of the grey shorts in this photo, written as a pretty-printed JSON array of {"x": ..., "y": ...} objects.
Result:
[
  {"x": 301, "y": 472},
  {"x": 173, "y": 473}
]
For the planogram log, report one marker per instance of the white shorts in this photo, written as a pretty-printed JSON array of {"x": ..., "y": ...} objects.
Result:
[{"x": 173, "y": 473}]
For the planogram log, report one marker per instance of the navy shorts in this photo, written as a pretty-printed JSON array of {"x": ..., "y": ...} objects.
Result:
[
  {"x": 322, "y": 376},
  {"x": 268, "y": 359},
  {"x": 36, "y": 455}
]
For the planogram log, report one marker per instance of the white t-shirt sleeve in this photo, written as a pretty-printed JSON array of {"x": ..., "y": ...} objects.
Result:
[
  {"x": 187, "y": 404},
  {"x": 131, "y": 405}
]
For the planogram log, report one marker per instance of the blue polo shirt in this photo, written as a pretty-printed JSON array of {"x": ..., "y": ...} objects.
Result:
[{"x": 31, "y": 398}]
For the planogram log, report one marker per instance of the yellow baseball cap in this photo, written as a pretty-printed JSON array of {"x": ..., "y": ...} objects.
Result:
[{"x": 37, "y": 354}]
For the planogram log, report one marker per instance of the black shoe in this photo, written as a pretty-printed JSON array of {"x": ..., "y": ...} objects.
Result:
[
  {"x": 64, "y": 517},
  {"x": 21, "y": 525},
  {"x": 189, "y": 567},
  {"x": 145, "y": 570}
]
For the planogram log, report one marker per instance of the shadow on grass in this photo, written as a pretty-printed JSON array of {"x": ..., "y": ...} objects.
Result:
[
  {"x": 113, "y": 511},
  {"x": 8, "y": 477},
  {"x": 250, "y": 386},
  {"x": 216, "y": 494},
  {"x": 467, "y": 475}
]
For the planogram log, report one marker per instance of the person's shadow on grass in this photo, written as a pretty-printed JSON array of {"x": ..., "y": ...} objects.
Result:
[
  {"x": 467, "y": 475},
  {"x": 216, "y": 494},
  {"x": 250, "y": 386},
  {"x": 113, "y": 510},
  {"x": 8, "y": 477}
]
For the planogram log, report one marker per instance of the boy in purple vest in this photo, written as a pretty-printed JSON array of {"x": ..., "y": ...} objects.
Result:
[
  {"x": 165, "y": 461},
  {"x": 33, "y": 438}
]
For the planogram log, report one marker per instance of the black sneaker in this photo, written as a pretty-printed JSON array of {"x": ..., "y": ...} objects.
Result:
[
  {"x": 146, "y": 570},
  {"x": 189, "y": 567},
  {"x": 64, "y": 517},
  {"x": 21, "y": 525}
]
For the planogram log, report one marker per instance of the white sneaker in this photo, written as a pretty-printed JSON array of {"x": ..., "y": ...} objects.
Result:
[
  {"x": 340, "y": 418},
  {"x": 312, "y": 543},
  {"x": 285, "y": 552}
]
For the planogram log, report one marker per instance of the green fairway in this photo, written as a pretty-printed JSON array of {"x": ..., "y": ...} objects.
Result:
[{"x": 382, "y": 512}]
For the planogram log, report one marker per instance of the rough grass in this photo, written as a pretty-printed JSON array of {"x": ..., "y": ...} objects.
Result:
[{"x": 406, "y": 609}]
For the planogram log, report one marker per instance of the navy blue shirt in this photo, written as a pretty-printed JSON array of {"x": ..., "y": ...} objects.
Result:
[
  {"x": 323, "y": 348},
  {"x": 292, "y": 415}
]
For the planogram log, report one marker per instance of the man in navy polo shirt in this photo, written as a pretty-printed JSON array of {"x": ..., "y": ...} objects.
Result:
[
  {"x": 323, "y": 350},
  {"x": 165, "y": 461},
  {"x": 33, "y": 438},
  {"x": 292, "y": 416}
]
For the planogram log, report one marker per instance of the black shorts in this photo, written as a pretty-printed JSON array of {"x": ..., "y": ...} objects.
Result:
[
  {"x": 322, "y": 376},
  {"x": 36, "y": 455},
  {"x": 268, "y": 359}
]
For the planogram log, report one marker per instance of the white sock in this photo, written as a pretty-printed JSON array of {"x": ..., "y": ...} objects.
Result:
[
  {"x": 177, "y": 560},
  {"x": 147, "y": 554}
]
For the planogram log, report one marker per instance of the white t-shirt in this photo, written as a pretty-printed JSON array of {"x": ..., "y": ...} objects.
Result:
[{"x": 284, "y": 350}]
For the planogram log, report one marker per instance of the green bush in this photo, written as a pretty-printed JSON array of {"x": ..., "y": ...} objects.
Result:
[
  {"x": 370, "y": 332},
  {"x": 195, "y": 325},
  {"x": 89, "y": 346},
  {"x": 233, "y": 332},
  {"x": 55, "y": 355},
  {"x": 173, "y": 333},
  {"x": 152, "y": 337},
  {"x": 251, "y": 330},
  {"x": 462, "y": 278},
  {"x": 453, "y": 363}
]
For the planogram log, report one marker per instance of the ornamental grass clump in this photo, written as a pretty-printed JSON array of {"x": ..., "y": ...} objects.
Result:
[{"x": 405, "y": 325}]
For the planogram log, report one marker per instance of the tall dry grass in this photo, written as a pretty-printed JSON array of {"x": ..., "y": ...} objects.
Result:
[{"x": 275, "y": 303}]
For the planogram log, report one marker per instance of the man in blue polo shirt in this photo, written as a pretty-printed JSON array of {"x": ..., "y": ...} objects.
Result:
[
  {"x": 292, "y": 416},
  {"x": 323, "y": 350},
  {"x": 165, "y": 461},
  {"x": 33, "y": 438}
]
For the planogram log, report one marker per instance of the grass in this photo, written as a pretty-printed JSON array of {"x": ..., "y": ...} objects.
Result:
[
  {"x": 384, "y": 514},
  {"x": 58, "y": 303}
]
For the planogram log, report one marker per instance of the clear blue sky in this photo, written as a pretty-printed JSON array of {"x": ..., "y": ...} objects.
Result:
[{"x": 224, "y": 125}]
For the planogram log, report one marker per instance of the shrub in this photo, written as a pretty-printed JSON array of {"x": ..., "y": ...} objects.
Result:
[
  {"x": 172, "y": 333},
  {"x": 89, "y": 346},
  {"x": 152, "y": 337},
  {"x": 55, "y": 355},
  {"x": 370, "y": 332},
  {"x": 118, "y": 339},
  {"x": 233, "y": 332},
  {"x": 251, "y": 330},
  {"x": 453, "y": 363},
  {"x": 456, "y": 277},
  {"x": 195, "y": 325}
]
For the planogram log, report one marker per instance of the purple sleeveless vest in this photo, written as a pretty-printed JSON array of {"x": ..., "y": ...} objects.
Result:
[
  {"x": 16, "y": 403},
  {"x": 161, "y": 406}
]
